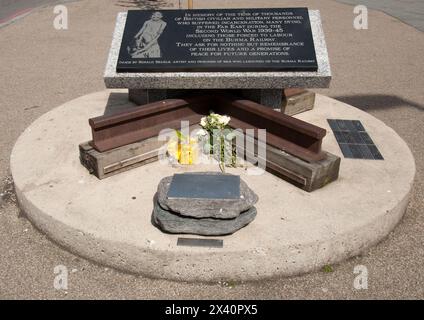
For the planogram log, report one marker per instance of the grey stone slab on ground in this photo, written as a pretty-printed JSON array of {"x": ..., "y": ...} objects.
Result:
[
  {"x": 206, "y": 208},
  {"x": 224, "y": 80},
  {"x": 174, "y": 223}
]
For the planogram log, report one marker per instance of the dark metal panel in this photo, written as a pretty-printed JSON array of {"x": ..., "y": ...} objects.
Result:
[
  {"x": 199, "y": 242},
  {"x": 204, "y": 186},
  {"x": 353, "y": 139}
]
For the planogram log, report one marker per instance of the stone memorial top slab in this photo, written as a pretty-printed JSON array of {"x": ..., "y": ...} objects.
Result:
[
  {"x": 217, "y": 40},
  {"x": 252, "y": 76}
]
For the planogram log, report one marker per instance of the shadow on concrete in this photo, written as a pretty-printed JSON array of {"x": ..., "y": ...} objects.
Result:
[
  {"x": 117, "y": 102},
  {"x": 144, "y": 4},
  {"x": 378, "y": 102}
]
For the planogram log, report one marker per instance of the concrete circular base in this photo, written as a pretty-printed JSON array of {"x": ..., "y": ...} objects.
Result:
[{"x": 109, "y": 221}]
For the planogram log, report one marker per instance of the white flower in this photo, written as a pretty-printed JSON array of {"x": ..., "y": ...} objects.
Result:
[
  {"x": 215, "y": 121},
  {"x": 230, "y": 136},
  {"x": 224, "y": 120},
  {"x": 201, "y": 133},
  {"x": 203, "y": 122}
]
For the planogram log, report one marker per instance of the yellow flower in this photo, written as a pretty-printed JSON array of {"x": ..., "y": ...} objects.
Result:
[
  {"x": 185, "y": 153},
  {"x": 174, "y": 149}
]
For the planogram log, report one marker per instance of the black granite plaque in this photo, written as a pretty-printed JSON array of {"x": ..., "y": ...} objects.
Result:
[
  {"x": 204, "y": 186},
  {"x": 277, "y": 39}
]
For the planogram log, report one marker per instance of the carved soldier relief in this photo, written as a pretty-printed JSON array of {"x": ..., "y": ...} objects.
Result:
[{"x": 146, "y": 40}]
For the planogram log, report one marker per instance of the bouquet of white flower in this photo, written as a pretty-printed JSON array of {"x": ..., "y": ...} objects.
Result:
[
  {"x": 214, "y": 121},
  {"x": 217, "y": 138}
]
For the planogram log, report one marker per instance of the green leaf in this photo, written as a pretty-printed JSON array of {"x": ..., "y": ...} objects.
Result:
[
  {"x": 327, "y": 268},
  {"x": 181, "y": 136}
]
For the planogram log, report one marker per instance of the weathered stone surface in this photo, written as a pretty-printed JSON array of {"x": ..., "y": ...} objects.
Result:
[
  {"x": 207, "y": 208},
  {"x": 174, "y": 223}
]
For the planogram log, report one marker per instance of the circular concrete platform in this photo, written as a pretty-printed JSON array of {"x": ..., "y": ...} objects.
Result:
[{"x": 109, "y": 221}]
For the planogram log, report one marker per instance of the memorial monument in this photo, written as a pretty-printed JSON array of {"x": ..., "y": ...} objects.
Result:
[
  {"x": 212, "y": 42},
  {"x": 258, "y": 52},
  {"x": 257, "y": 48},
  {"x": 333, "y": 186}
]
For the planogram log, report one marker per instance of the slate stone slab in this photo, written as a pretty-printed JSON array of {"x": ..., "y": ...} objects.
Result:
[
  {"x": 261, "y": 39},
  {"x": 174, "y": 223},
  {"x": 206, "y": 208}
]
